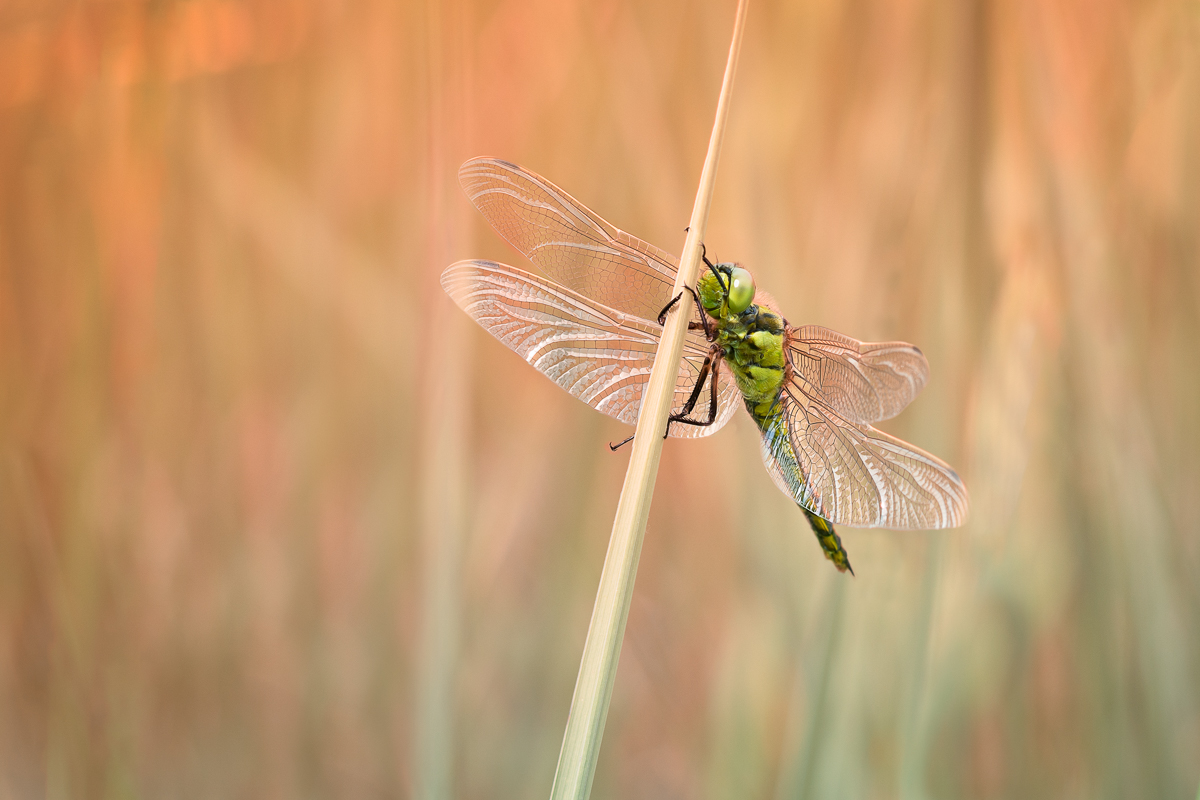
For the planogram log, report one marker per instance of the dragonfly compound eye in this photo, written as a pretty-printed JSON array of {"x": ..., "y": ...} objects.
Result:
[{"x": 741, "y": 290}]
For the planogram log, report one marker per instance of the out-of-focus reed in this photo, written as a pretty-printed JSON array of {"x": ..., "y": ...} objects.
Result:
[
  {"x": 229, "y": 401},
  {"x": 443, "y": 445}
]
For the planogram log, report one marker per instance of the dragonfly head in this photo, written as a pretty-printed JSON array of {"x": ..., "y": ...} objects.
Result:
[{"x": 726, "y": 289}]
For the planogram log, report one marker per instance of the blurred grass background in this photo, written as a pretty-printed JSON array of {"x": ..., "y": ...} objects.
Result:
[{"x": 277, "y": 521}]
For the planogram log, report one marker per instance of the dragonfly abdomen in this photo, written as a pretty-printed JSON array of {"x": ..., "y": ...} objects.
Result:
[
  {"x": 789, "y": 476},
  {"x": 830, "y": 542}
]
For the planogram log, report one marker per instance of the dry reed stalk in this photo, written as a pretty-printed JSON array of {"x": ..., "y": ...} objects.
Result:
[{"x": 602, "y": 650}]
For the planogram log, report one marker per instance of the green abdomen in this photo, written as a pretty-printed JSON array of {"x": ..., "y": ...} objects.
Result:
[{"x": 790, "y": 476}]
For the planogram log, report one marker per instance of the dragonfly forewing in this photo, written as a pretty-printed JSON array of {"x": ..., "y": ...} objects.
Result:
[
  {"x": 569, "y": 242},
  {"x": 599, "y": 354}
]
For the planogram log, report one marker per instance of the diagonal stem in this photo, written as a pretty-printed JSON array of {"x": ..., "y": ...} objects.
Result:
[{"x": 598, "y": 668}]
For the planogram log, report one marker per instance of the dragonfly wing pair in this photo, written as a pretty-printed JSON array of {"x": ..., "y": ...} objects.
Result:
[
  {"x": 592, "y": 328},
  {"x": 826, "y": 455}
]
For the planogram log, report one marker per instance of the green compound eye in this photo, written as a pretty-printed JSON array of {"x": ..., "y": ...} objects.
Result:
[{"x": 741, "y": 290}]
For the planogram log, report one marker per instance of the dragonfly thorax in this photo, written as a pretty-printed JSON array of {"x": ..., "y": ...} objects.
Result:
[{"x": 751, "y": 337}]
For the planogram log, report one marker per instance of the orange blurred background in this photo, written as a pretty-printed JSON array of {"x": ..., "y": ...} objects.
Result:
[{"x": 277, "y": 520}]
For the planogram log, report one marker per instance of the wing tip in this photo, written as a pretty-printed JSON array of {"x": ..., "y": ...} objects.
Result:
[
  {"x": 468, "y": 173},
  {"x": 455, "y": 276},
  {"x": 474, "y": 160},
  {"x": 471, "y": 164}
]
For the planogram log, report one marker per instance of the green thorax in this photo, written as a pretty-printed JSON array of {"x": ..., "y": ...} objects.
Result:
[{"x": 751, "y": 341}]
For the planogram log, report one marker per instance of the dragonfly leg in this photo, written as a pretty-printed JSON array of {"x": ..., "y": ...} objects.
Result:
[
  {"x": 692, "y": 326},
  {"x": 620, "y": 444},
  {"x": 703, "y": 324},
  {"x": 662, "y": 315},
  {"x": 688, "y": 406},
  {"x": 681, "y": 416},
  {"x": 708, "y": 331},
  {"x": 710, "y": 369},
  {"x": 712, "y": 363}
]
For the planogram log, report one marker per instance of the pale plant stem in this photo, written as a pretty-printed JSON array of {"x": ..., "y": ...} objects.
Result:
[{"x": 601, "y": 651}]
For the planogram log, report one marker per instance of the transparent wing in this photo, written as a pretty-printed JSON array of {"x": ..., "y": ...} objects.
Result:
[
  {"x": 598, "y": 354},
  {"x": 854, "y": 474},
  {"x": 863, "y": 382},
  {"x": 567, "y": 241}
]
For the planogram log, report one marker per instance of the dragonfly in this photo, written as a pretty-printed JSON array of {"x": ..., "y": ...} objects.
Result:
[{"x": 592, "y": 323}]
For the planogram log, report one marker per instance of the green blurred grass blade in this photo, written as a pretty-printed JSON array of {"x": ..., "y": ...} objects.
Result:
[
  {"x": 798, "y": 777},
  {"x": 914, "y": 733}
]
